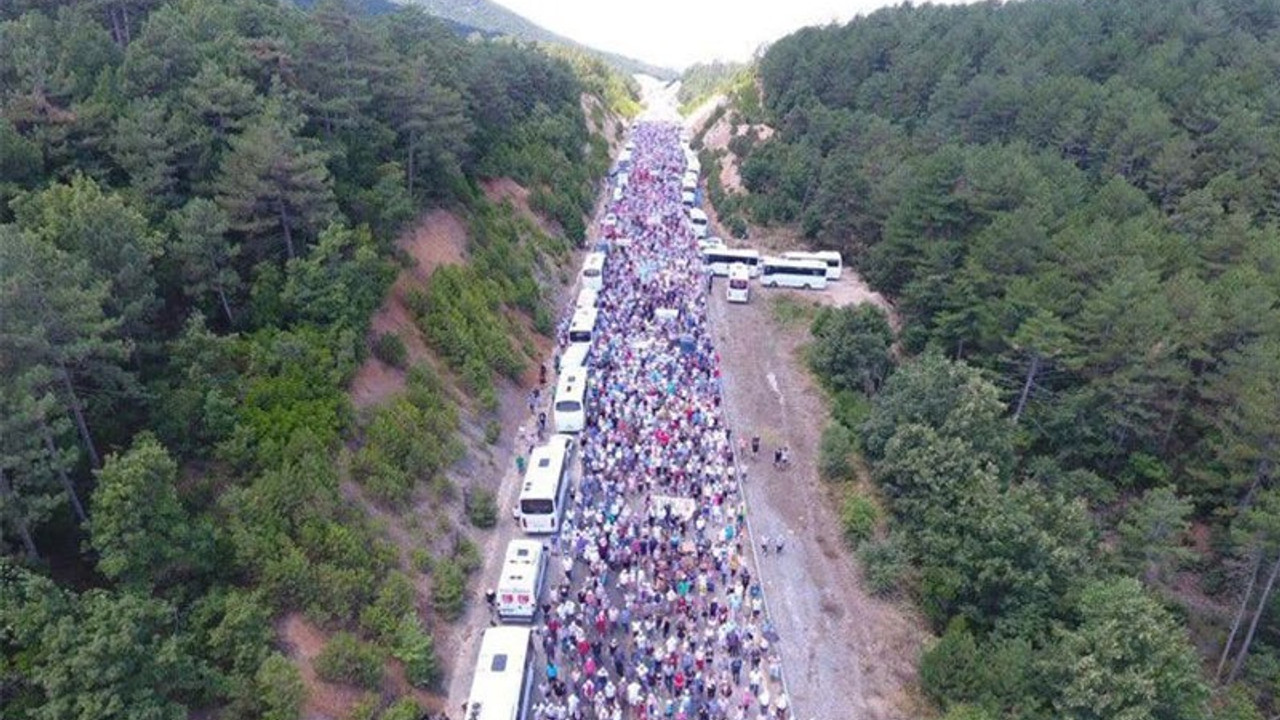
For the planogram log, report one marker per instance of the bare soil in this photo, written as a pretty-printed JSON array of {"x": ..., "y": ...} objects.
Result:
[
  {"x": 845, "y": 653},
  {"x": 438, "y": 238},
  {"x": 506, "y": 190}
]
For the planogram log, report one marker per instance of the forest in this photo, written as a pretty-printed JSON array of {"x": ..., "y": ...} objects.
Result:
[
  {"x": 1071, "y": 443},
  {"x": 199, "y": 206}
]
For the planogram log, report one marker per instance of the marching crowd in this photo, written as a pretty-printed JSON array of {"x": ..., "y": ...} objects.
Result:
[{"x": 658, "y": 614}]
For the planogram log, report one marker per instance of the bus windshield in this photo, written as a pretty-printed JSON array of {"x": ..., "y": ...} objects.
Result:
[
  {"x": 738, "y": 284},
  {"x": 541, "y": 506},
  {"x": 579, "y": 336},
  {"x": 568, "y": 406}
]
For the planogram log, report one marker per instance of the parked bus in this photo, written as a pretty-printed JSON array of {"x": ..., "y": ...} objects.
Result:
[
  {"x": 699, "y": 221},
  {"x": 503, "y": 683},
  {"x": 739, "y": 285},
  {"x": 587, "y": 299},
  {"x": 545, "y": 490},
  {"x": 593, "y": 271},
  {"x": 569, "y": 410},
  {"x": 719, "y": 259},
  {"x": 835, "y": 267},
  {"x": 524, "y": 571},
  {"x": 576, "y": 357},
  {"x": 780, "y": 272},
  {"x": 582, "y": 326}
]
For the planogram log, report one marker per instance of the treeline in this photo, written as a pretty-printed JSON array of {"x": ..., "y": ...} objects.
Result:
[
  {"x": 1074, "y": 203},
  {"x": 198, "y": 206},
  {"x": 700, "y": 81}
]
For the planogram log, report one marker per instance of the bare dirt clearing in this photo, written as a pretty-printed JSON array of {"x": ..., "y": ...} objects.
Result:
[{"x": 846, "y": 654}]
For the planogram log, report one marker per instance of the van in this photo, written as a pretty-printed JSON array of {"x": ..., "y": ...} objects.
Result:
[
  {"x": 524, "y": 572},
  {"x": 593, "y": 271},
  {"x": 738, "y": 288},
  {"x": 699, "y": 221}
]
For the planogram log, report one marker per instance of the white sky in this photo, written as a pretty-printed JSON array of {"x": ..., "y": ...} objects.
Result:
[{"x": 676, "y": 33}]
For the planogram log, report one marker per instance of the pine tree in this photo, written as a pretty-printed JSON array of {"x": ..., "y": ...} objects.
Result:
[
  {"x": 274, "y": 185},
  {"x": 205, "y": 253}
]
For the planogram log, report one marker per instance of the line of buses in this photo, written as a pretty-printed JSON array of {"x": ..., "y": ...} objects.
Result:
[{"x": 504, "y": 674}]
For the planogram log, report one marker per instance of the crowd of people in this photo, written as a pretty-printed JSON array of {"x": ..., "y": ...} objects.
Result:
[{"x": 658, "y": 614}]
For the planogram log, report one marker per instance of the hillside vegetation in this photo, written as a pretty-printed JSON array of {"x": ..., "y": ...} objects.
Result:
[
  {"x": 199, "y": 206},
  {"x": 1074, "y": 207},
  {"x": 491, "y": 18}
]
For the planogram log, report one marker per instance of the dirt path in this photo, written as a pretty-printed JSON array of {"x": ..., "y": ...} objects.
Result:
[{"x": 845, "y": 653}]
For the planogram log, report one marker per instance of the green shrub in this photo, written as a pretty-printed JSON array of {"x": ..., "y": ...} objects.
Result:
[
  {"x": 403, "y": 709},
  {"x": 492, "y": 432},
  {"x": 348, "y": 661},
  {"x": 280, "y": 691},
  {"x": 482, "y": 508},
  {"x": 416, "y": 649},
  {"x": 467, "y": 555},
  {"x": 885, "y": 565},
  {"x": 851, "y": 409},
  {"x": 448, "y": 589},
  {"x": 835, "y": 453},
  {"x": 858, "y": 518},
  {"x": 390, "y": 349},
  {"x": 421, "y": 560},
  {"x": 381, "y": 618}
]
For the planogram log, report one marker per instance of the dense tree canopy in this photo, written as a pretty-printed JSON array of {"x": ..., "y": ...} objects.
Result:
[
  {"x": 1078, "y": 201},
  {"x": 199, "y": 206}
]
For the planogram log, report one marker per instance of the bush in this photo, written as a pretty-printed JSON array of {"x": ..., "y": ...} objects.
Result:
[
  {"x": 390, "y": 349},
  {"x": 347, "y": 660},
  {"x": 421, "y": 560},
  {"x": 280, "y": 691},
  {"x": 492, "y": 432},
  {"x": 403, "y": 709},
  {"x": 467, "y": 555},
  {"x": 448, "y": 589},
  {"x": 381, "y": 618},
  {"x": 482, "y": 508},
  {"x": 416, "y": 649},
  {"x": 885, "y": 565},
  {"x": 835, "y": 453},
  {"x": 858, "y": 518}
]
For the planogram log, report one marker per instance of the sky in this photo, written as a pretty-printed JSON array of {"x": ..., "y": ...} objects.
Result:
[{"x": 676, "y": 33}]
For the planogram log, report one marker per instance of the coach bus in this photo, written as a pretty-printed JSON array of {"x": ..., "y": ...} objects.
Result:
[
  {"x": 545, "y": 489},
  {"x": 719, "y": 259},
  {"x": 503, "y": 683},
  {"x": 780, "y": 272},
  {"x": 835, "y": 267}
]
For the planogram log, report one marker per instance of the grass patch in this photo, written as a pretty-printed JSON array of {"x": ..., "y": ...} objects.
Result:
[{"x": 791, "y": 311}]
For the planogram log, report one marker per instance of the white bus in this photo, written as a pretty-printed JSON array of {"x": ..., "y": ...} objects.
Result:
[
  {"x": 545, "y": 490},
  {"x": 524, "y": 571},
  {"x": 780, "y": 272},
  {"x": 576, "y": 357},
  {"x": 739, "y": 286},
  {"x": 582, "y": 325},
  {"x": 688, "y": 198},
  {"x": 718, "y": 259},
  {"x": 503, "y": 682},
  {"x": 570, "y": 408},
  {"x": 835, "y": 267},
  {"x": 699, "y": 221},
  {"x": 587, "y": 298},
  {"x": 593, "y": 271}
]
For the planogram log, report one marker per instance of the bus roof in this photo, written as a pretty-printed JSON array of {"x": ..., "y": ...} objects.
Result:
[
  {"x": 519, "y": 567},
  {"x": 499, "y": 678},
  {"x": 593, "y": 260},
  {"x": 739, "y": 270},
  {"x": 584, "y": 318},
  {"x": 546, "y": 462},
  {"x": 728, "y": 253},
  {"x": 824, "y": 255},
  {"x": 697, "y": 215}
]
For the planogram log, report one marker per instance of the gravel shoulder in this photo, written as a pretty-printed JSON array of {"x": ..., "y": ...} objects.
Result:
[{"x": 845, "y": 653}]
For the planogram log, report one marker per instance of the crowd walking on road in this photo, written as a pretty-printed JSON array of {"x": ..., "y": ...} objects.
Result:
[{"x": 658, "y": 613}]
